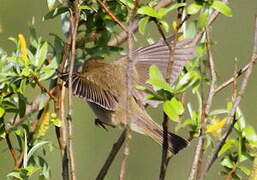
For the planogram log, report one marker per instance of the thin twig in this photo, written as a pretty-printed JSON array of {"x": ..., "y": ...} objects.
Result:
[
  {"x": 165, "y": 158},
  {"x": 231, "y": 80},
  {"x": 59, "y": 109},
  {"x": 129, "y": 77},
  {"x": 115, "y": 149},
  {"x": 43, "y": 88},
  {"x": 125, "y": 156},
  {"x": 16, "y": 121},
  {"x": 236, "y": 102},
  {"x": 11, "y": 149},
  {"x": 114, "y": 18},
  {"x": 122, "y": 36},
  {"x": 74, "y": 27},
  {"x": 206, "y": 108}
]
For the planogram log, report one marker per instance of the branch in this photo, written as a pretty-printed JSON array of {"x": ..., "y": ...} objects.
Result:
[
  {"x": 114, "y": 18},
  {"x": 199, "y": 148},
  {"x": 10, "y": 147},
  {"x": 236, "y": 102},
  {"x": 115, "y": 149},
  {"x": 16, "y": 121},
  {"x": 75, "y": 14},
  {"x": 231, "y": 80},
  {"x": 43, "y": 88},
  {"x": 122, "y": 36},
  {"x": 129, "y": 77},
  {"x": 125, "y": 156}
]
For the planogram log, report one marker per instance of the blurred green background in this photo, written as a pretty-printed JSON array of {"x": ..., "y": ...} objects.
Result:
[{"x": 234, "y": 37}]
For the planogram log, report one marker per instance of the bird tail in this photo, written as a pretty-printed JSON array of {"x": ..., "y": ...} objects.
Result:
[{"x": 145, "y": 125}]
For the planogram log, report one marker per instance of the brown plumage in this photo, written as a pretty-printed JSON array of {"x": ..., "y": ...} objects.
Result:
[{"x": 103, "y": 86}]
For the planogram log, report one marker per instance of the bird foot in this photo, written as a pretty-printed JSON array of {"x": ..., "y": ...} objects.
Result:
[{"x": 99, "y": 123}]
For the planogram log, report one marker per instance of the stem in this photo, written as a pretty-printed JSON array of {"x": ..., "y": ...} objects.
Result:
[
  {"x": 195, "y": 169},
  {"x": 115, "y": 149},
  {"x": 73, "y": 33},
  {"x": 236, "y": 102}
]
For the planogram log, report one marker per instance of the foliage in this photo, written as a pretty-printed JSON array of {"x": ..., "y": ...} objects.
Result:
[{"x": 35, "y": 63}]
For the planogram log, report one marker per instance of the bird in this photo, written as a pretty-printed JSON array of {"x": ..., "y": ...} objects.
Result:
[{"x": 103, "y": 86}]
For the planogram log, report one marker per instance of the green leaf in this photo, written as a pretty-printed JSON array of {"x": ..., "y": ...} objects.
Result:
[
  {"x": 142, "y": 23},
  {"x": 15, "y": 174},
  {"x": 50, "y": 4},
  {"x": 155, "y": 73},
  {"x": 228, "y": 144},
  {"x": 194, "y": 8},
  {"x": 249, "y": 133},
  {"x": 226, "y": 162},
  {"x": 160, "y": 84},
  {"x": 188, "y": 80},
  {"x": 222, "y": 8},
  {"x": 41, "y": 55},
  {"x": 203, "y": 17},
  {"x": 22, "y": 105},
  {"x": 173, "y": 108},
  {"x": 2, "y": 111},
  {"x": 245, "y": 170},
  {"x": 36, "y": 147},
  {"x": 156, "y": 79},
  {"x": 55, "y": 12},
  {"x": 149, "y": 11},
  {"x": 165, "y": 25},
  {"x": 218, "y": 111},
  {"x": 128, "y": 3},
  {"x": 25, "y": 156},
  {"x": 31, "y": 170},
  {"x": 85, "y": 7},
  {"x": 164, "y": 11}
]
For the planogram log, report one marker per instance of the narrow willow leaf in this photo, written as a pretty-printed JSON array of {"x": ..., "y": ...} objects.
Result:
[
  {"x": 164, "y": 11},
  {"x": 245, "y": 170},
  {"x": 41, "y": 55},
  {"x": 222, "y": 8},
  {"x": 142, "y": 23},
  {"x": 50, "y": 4},
  {"x": 149, "y": 11},
  {"x": 55, "y": 12},
  {"x": 228, "y": 144},
  {"x": 2, "y": 110},
  {"x": 166, "y": 26},
  {"x": 202, "y": 20},
  {"x": 194, "y": 8},
  {"x": 22, "y": 105},
  {"x": 43, "y": 122},
  {"x": 23, "y": 48},
  {"x": 35, "y": 148},
  {"x": 217, "y": 126}
]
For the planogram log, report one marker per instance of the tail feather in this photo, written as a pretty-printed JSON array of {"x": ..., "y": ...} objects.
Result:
[{"x": 145, "y": 125}]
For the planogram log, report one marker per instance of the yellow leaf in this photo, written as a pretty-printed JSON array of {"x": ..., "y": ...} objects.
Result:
[
  {"x": 215, "y": 127},
  {"x": 23, "y": 47},
  {"x": 44, "y": 120},
  {"x": 174, "y": 25}
]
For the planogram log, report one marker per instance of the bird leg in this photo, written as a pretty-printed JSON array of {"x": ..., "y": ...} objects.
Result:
[{"x": 102, "y": 124}]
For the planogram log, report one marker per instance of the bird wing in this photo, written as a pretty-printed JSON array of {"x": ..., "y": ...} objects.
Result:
[
  {"x": 84, "y": 86},
  {"x": 158, "y": 54}
]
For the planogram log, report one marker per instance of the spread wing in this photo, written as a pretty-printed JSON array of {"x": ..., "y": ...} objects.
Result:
[
  {"x": 84, "y": 87},
  {"x": 158, "y": 54}
]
